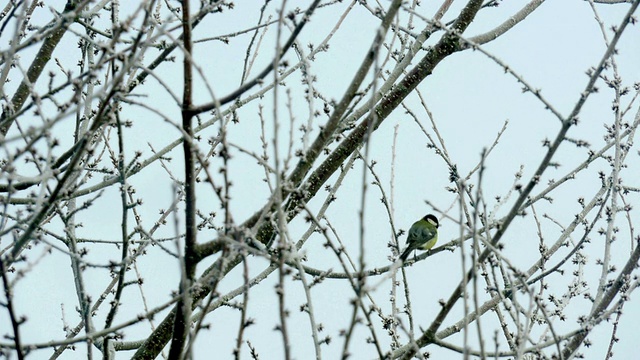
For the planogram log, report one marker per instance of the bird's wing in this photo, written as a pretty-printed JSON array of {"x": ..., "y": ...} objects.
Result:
[
  {"x": 420, "y": 234},
  {"x": 413, "y": 235},
  {"x": 429, "y": 233}
]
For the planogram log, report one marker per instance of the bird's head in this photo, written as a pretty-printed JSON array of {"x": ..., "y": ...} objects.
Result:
[{"x": 431, "y": 219}]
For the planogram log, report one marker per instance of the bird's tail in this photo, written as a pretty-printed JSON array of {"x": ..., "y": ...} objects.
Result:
[{"x": 405, "y": 254}]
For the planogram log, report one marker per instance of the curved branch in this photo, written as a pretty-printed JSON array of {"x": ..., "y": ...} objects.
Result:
[
  {"x": 507, "y": 25},
  {"x": 258, "y": 79}
]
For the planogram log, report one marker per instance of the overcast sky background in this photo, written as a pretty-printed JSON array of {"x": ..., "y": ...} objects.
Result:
[{"x": 470, "y": 97}]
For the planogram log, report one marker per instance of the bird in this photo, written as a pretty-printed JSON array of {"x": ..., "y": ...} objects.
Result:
[{"x": 423, "y": 235}]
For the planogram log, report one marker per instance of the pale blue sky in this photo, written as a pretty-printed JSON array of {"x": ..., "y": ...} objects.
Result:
[{"x": 470, "y": 98}]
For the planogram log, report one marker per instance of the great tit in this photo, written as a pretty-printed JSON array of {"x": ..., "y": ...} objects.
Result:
[{"x": 423, "y": 234}]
